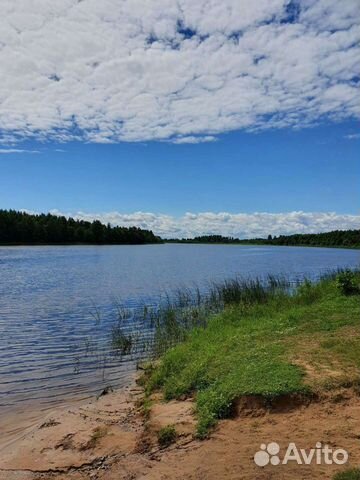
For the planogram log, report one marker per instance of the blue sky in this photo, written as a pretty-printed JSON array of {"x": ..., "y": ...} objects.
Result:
[
  {"x": 183, "y": 117},
  {"x": 313, "y": 169}
]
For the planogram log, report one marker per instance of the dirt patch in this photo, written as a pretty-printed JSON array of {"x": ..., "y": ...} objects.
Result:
[
  {"x": 129, "y": 449},
  {"x": 333, "y": 371},
  {"x": 257, "y": 405},
  {"x": 333, "y": 419},
  {"x": 177, "y": 413}
]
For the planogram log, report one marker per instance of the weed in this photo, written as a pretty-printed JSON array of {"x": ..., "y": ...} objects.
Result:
[
  {"x": 307, "y": 292},
  {"x": 166, "y": 436},
  {"x": 352, "y": 474},
  {"x": 121, "y": 343},
  {"x": 346, "y": 283}
]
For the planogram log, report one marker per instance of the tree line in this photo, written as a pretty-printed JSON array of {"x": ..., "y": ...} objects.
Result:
[
  {"x": 336, "y": 238},
  {"x": 23, "y": 228},
  {"x": 46, "y": 229}
]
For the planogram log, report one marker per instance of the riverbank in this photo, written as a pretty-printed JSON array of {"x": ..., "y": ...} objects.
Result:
[
  {"x": 333, "y": 239},
  {"x": 111, "y": 439},
  {"x": 251, "y": 244},
  {"x": 264, "y": 343},
  {"x": 283, "y": 369},
  {"x": 175, "y": 242}
]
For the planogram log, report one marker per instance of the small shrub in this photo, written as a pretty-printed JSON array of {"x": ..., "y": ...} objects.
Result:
[
  {"x": 352, "y": 474},
  {"x": 166, "y": 436},
  {"x": 308, "y": 292},
  {"x": 346, "y": 283}
]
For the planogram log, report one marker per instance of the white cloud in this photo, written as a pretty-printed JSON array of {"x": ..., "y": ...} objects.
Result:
[
  {"x": 353, "y": 136},
  {"x": 132, "y": 70},
  {"x": 239, "y": 225},
  {"x": 193, "y": 139},
  {"x": 6, "y": 151}
]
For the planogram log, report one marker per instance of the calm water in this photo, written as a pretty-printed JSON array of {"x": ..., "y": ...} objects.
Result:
[{"x": 52, "y": 343}]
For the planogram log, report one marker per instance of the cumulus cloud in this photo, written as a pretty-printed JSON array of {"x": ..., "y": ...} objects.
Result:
[
  {"x": 239, "y": 225},
  {"x": 135, "y": 70}
]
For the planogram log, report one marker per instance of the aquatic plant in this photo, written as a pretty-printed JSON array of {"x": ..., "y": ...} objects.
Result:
[
  {"x": 150, "y": 330},
  {"x": 120, "y": 342}
]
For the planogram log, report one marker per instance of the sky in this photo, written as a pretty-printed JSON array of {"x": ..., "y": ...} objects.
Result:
[{"x": 232, "y": 117}]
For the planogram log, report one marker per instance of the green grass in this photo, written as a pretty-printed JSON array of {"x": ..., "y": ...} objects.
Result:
[
  {"x": 260, "y": 348},
  {"x": 352, "y": 474},
  {"x": 166, "y": 436}
]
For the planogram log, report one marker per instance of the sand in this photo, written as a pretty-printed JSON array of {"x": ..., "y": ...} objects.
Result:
[{"x": 110, "y": 439}]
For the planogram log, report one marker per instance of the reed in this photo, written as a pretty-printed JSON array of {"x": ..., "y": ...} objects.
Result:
[{"x": 149, "y": 331}]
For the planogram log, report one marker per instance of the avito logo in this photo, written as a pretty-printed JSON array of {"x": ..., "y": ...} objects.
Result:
[{"x": 321, "y": 455}]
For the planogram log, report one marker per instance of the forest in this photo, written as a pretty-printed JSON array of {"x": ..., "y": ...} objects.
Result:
[
  {"x": 19, "y": 228},
  {"x": 336, "y": 238}
]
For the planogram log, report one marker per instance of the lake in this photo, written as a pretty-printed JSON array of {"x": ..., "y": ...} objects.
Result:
[{"x": 58, "y": 303}]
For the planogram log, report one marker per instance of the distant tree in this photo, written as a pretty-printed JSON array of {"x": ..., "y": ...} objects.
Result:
[
  {"x": 336, "y": 238},
  {"x": 97, "y": 230},
  {"x": 22, "y": 228}
]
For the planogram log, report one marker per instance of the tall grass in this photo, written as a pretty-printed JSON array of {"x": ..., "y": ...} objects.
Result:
[
  {"x": 150, "y": 330},
  {"x": 258, "y": 344},
  {"x": 154, "y": 329}
]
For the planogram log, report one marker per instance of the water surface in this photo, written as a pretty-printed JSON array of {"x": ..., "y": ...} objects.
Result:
[{"x": 57, "y": 305}]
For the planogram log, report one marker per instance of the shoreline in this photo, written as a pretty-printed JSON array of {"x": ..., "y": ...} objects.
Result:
[
  {"x": 270, "y": 368},
  {"x": 41, "y": 435},
  {"x": 110, "y": 438},
  {"x": 171, "y": 243},
  {"x": 19, "y": 421},
  {"x": 262, "y": 245}
]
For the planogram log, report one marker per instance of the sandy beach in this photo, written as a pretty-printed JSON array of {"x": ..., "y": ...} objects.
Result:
[{"x": 110, "y": 438}]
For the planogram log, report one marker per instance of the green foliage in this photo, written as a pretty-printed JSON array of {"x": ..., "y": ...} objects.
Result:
[
  {"x": 22, "y": 228},
  {"x": 268, "y": 377},
  {"x": 336, "y": 238},
  {"x": 248, "y": 349},
  {"x": 346, "y": 283},
  {"x": 308, "y": 292},
  {"x": 186, "y": 309},
  {"x": 351, "y": 474},
  {"x": 166, "y": 436}
]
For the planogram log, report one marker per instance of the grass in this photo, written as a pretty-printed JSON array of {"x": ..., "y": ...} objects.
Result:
[
  {"x": 352, "y": 474},
  {"x": 265, "y": 342},
  {"x": 166, "y": 436},
  {"x": 152, "y": 330},
  {"x": 120, "y": 342},
  {"x": 145, "y": 405}
]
